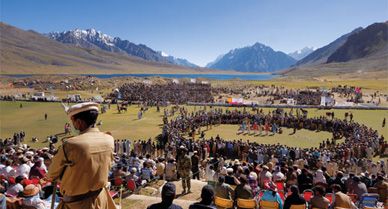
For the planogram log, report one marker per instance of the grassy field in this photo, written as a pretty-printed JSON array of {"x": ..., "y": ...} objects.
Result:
[{"x": 30, "y": 118}]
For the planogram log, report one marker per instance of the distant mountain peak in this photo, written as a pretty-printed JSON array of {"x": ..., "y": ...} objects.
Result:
[
  {"x": 95, "y": 39},
  {"x": 164, "y": 54},
  {"x": 301, "y": 53},
  {"x": 255, "y": 58}
]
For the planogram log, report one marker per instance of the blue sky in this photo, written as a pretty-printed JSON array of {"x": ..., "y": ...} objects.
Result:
[{"x": 200, "y": 30}]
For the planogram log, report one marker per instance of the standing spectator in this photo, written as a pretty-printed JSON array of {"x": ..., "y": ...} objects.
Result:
[
  {"x": 194, "y": 165},
  {"x": 168, "y": 196}
]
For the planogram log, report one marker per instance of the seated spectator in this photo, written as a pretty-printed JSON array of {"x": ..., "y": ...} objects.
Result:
[
  {"x": 358, "y": 187},
  {"x": 278, "y": 175},
  {"x": 230, "y": 178},
  {"x": 319, "y": 177},
  {"x": 271, "y": 194},
  {"x": 340, "y": 199},
  {"x": 207, "y": 199},
  {"x": 171, "y": 170},
  {"x": 243, "y": 190},
  {"x": 31, "y": 197},
  {"x": 16, "y": 188},
  {"x": 318, "y": 200},
  {"x": 382, "y": 188},
  {"x": 147, "y": 172},
  {"x": 222, "y": 189},
  {"x": 132, "y": 176},
  {"x": 294, "y": 199},
  {"x": 7, "y": 170},
  {"x": 3, "y": 201},
  {"x": 37, "y": 170},
  {"x": 160, "y": 166},
  {"x": 23, "y": 169},
  {"x": 253, "y": 183},
  {"x": 168, "y": 196}
]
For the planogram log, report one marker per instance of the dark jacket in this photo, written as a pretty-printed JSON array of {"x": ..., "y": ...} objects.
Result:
[
  {"x": 198, "y": 205},
  {"x": 293, "y": 199}
]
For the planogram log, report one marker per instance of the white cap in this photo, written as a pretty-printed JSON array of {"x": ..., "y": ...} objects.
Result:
[{"x": 82, "y": 107}]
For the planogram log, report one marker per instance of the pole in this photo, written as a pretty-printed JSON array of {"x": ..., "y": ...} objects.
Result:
[{"x": 54, "y": 183}]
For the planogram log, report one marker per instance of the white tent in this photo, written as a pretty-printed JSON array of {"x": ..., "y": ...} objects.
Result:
[{"x": 327, "y": 101}]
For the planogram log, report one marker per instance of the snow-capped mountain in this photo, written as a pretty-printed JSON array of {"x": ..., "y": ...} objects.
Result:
[
  {"x": 256, "y": 58},
  {"x": 302, "y": 53},
  {"x": 93, "y": 39}
]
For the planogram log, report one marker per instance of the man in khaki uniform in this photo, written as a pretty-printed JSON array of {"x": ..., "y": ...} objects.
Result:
[
  {"x": 83, "y": 162},
  {"x": 184, "y": 168}
]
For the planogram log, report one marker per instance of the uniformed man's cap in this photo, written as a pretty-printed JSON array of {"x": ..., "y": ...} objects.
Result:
[{"x": 82, "y": 107}]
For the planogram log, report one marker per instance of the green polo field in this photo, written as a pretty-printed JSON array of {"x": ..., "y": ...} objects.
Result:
[{"x": 30, "y": 118}]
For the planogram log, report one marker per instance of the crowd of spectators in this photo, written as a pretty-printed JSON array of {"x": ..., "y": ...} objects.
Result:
[
  {"x": 335, "y": 173},
  {"x": 174, "y": 93}
]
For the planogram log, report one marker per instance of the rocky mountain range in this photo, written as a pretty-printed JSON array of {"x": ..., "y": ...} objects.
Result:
[
  {"x": 368, "y": 42},
  {"x": 255, "y": 58},
  {"x": 361, "y": 53},
  {"x": 29, "y": 52},
  {"x": 93, "y": 39},
  {"x": 320, "y": 55}
]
